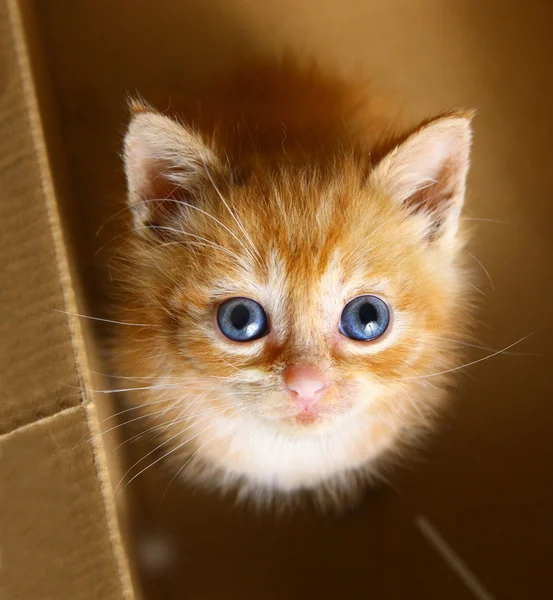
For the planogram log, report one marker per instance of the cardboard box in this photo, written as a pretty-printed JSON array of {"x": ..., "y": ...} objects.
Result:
[
  {"x": 59, "y": 534},
  {"x": 471, "y": 520}
]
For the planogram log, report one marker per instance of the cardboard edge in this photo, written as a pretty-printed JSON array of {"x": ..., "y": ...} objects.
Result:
[{"x": 16, "y": 16}]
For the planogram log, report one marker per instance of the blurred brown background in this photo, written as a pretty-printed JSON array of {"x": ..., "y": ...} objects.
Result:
[{"x": 486, "y": 480}]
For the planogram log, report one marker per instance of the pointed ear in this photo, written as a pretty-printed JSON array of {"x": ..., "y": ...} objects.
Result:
[
  {"x": 427, "y": 172},
  {"x": 164, "y": 163}
]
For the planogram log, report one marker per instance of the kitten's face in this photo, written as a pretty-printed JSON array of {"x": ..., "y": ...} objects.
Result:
[
  {"x": 302, "y": 253},
  {"x": 300, "y": 305}
]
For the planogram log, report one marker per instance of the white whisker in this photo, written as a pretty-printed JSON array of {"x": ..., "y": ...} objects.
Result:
[
  {"x": 236, "y": 220},
  {"x": 479, "y": 347},
  {"x": 483, "y": 268},
  {"x": 180, "y": 418},
  {"x": 104, "y": 320},
  {"x": 195, "y": 453},
  {"x": 180, "y": 432},
  {"x": 174, "y": 399},
  {"x": 166, "y": 454},
  {"x": 485, "y": 220},
  {"x": 474, "y": 362}
]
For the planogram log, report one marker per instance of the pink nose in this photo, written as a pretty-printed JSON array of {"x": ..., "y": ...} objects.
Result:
[{"x": 306, "y": 385}]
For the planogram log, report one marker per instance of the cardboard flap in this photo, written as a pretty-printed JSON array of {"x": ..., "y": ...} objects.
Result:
[{"x": 58, "y": 527}]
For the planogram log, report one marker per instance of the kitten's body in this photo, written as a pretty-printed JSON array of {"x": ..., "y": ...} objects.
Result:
[{"x": 286, "y": 187}]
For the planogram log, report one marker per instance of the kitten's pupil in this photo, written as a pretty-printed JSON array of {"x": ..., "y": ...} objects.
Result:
[
  {"x": 367, "y": 313},
  {"x": 240, "y": 316}
]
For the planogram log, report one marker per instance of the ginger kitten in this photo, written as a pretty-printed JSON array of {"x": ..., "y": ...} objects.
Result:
[{"x": 296, "y": 266}]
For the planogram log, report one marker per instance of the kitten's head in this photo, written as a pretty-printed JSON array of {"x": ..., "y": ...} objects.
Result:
[{"x": 301, "y": 302}]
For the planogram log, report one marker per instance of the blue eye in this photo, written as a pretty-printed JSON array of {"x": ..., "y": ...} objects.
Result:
[
  {"x": 364, "y": 318},
  {"x": 242, "y": 320}
]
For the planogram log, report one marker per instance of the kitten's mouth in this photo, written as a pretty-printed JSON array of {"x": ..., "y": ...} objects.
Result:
[{"x": 306, "y": 417}]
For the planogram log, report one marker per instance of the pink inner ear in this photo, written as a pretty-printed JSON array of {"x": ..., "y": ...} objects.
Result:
[
  {"x": 427, "y": 172},
  {"x": 145, "y": 169},
  {"x": 434, "y": 158},
  {"x": 435, "y": 197},
  {"x": 156, "y": 196},
  {"x": 162, "y": 214},
  {"x": 165, "y": 163}
]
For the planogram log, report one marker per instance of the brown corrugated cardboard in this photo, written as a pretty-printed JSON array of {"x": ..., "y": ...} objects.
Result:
[
  {"x": 485, "y": 487},
  {"x": 59, "y": 536},
  {"x": 36, "y": 347}
]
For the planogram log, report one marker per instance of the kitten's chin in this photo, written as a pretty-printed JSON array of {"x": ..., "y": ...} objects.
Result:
[
  {"x": 306, "y": 422},
  {"x": 281, "y": 455}
]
